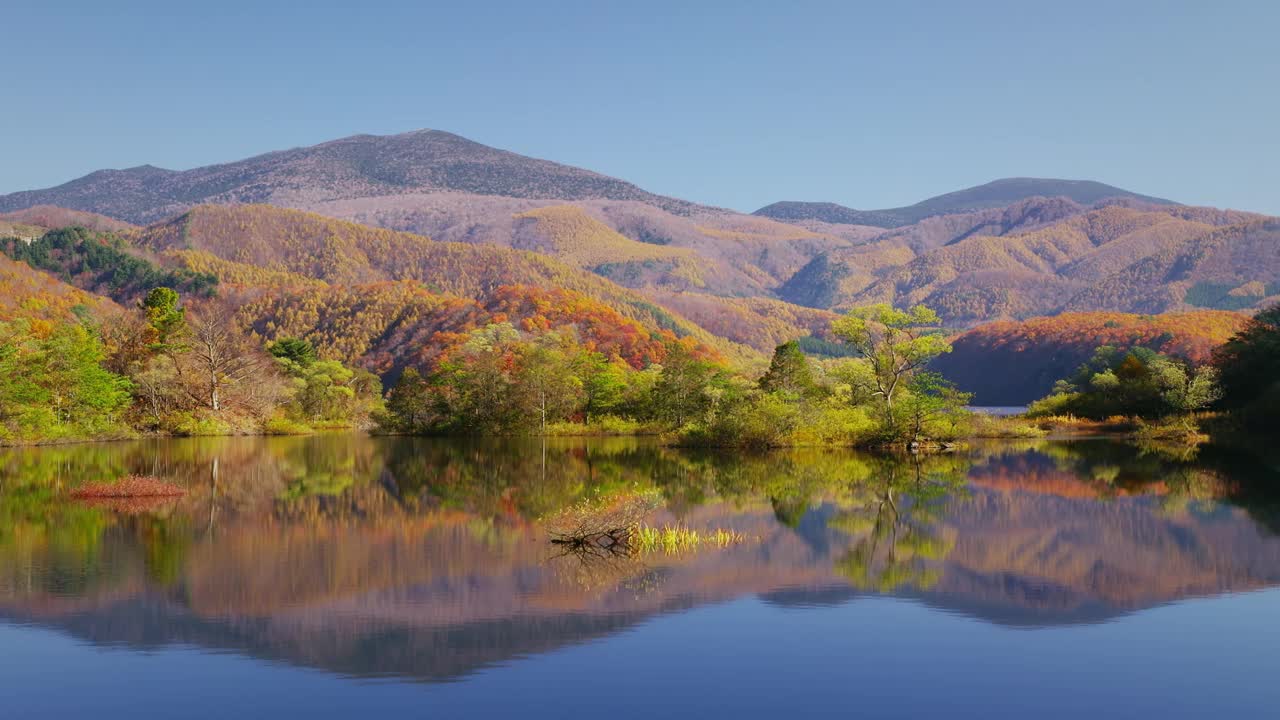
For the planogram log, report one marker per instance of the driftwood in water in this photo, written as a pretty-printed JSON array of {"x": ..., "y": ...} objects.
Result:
[{"x": 606, "y": 526}]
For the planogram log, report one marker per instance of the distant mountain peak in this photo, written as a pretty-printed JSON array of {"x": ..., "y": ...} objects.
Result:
[
  {"x": 994, "y": 194},
  {"x": 357, "y": 166}
]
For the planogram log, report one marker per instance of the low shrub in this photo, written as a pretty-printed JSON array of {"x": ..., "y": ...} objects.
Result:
[
  {"x": 991, "y": 426},
  {"x": 1056, "y": 405},
  {"x": 194, "y": 426},
  {"x": 604, "y": 425}
]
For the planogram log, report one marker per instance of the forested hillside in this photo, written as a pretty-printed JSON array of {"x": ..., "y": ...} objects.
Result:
[
  {"x": 1111, "y": 258},
  {"x": 266, "y": 245},
  {"x": 29, "y": 293},
  {"x": 103, "y": 263}
]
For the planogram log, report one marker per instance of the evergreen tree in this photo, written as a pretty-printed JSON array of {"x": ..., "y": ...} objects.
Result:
[
  {"x": 168, "y": 321},
  {"x": 789, "y": 372},
  {"x": 295, "y": 350},
  {"x": 1249, "y": 364}
]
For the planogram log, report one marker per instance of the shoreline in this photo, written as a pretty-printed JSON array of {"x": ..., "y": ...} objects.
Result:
[{"x": 925, "y": 446}]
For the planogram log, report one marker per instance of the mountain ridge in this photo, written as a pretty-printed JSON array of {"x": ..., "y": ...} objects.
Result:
[
  {"x": 1010, "y": 248},
  {"x": 354, "y": 166},
  {"x": 996, "y": 193}
]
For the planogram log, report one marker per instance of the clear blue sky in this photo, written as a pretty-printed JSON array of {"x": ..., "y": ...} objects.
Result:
[{"x": 730, "y": 103}]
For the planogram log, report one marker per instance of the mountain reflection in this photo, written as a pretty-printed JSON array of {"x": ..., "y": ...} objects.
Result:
[{"x": 425, "y": 559}]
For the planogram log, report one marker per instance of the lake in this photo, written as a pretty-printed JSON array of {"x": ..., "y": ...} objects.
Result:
[{"x": 342, "y": 575}]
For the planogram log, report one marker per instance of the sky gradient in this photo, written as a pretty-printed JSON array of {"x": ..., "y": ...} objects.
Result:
[{"x": 737, "y": 104}]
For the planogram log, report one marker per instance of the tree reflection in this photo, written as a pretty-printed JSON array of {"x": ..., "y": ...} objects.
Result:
[
  {"x": 893, "y": 518},
  {"x": 882, "y": 518}
]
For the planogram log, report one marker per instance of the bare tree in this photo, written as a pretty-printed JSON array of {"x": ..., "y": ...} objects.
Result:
[
  {"x": 220, "y": 358},
  {"x": 157, "y": 387}
]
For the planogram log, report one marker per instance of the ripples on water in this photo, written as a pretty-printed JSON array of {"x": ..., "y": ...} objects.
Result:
[{"x": 426, "y": 561}]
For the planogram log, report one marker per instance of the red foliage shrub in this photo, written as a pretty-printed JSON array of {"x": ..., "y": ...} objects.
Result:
[{"x": 132, "y": 486}]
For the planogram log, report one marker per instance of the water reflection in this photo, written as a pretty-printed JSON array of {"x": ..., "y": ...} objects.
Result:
[{"x": 425, "y": 559}]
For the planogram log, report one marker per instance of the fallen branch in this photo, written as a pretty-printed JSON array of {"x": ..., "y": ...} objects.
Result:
[{"x": 602, "y": 525}]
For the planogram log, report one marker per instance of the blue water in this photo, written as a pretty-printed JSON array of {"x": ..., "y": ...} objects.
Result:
[
  {"x": 873, "y": 658},
  {"x": 1041, "y": 580}
]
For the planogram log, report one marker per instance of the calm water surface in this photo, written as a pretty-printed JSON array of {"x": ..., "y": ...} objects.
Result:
[{"x": 343, "y": 576}]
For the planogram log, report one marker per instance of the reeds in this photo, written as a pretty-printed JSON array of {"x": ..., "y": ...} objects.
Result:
[{"x": 673, "y": 540}]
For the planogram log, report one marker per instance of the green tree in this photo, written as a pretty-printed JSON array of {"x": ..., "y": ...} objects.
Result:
[
  {"x": 686, "y": 388},
  {"x": 548, "y": 383},
  {"x": 55, "y": 386},
  {"x": 323, "y": 391},
  {"x": 475, "y": 389},
  {"x": 1183, "y": 389},
  {"x": 604, "y": 384},
  {"x": 1138, "y": 382},
  {"x": 896, "y": 343},
  {"x": 931, "y": 408},
  {"x": 409, "y": 404}
]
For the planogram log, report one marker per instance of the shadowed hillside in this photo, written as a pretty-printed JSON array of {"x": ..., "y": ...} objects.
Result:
[{"x": 1013, "y": 363}]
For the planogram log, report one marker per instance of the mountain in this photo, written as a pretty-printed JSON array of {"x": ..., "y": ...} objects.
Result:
[
  {"x": 1014, "y": 363},
  {"x": 449, "y": 188},
  {"x": 352, "y": 167},
  {"x": 995, "y": 194},
  {"x": 1012, "y": 248},
  {"x": 829, "y": 212}
]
